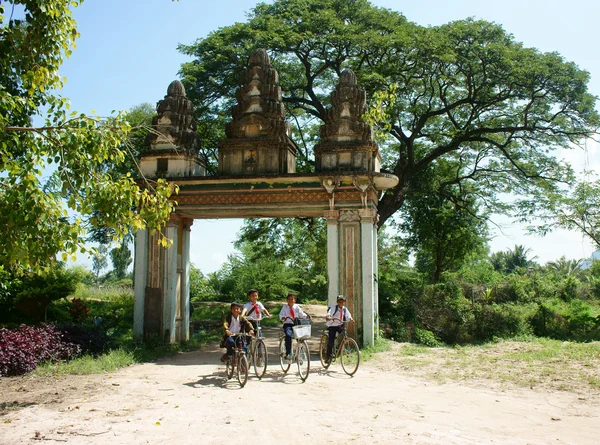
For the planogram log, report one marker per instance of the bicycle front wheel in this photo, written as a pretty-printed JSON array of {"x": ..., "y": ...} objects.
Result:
[
  {"x": 323, "y": 351},
  {"x": 303, "y": 360},
  {"x": 350, "y": 356},
  {"x": 259, "y": 359},
  {"x": 285, "y": 364},
  {"x": 242, "y": 370}
]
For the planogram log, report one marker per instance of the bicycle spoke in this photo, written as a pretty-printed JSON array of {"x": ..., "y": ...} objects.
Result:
[
  {"x": 259, "y": 359},
  {"x": 350, "y": 356},
  {"x": 303, "y": 360},
  {"x": 242, "y": 369},
  {"x": 323, "y": 351},
  {"x": 285, "y": 364}
]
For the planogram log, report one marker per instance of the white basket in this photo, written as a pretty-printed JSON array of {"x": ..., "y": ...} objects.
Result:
[{"x": 301, "y": 331}]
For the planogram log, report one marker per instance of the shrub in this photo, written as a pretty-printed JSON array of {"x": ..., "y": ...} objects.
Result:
[
  {"x": 500, "y": 321},
  {"x": 78, "y": 311},
  {"x": 516, "y": 288},
  {"x": 425, "y": 337},
  {"x": 38, "y": 290},
  {"x": 23, "y": 348},
  {"x": 444, "y": 310},
  {"x": 91, "y": 340},
  {"x": 566, "y": 321}
]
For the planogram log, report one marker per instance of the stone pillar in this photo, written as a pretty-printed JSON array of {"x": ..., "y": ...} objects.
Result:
[
  {"x": 368, "y": 266},
  {"x": 376, "y": 275},
  {"x": 333, "y": 247},
  {"x": 170, "y": 282},
  {"x": 140, "y": 279},
  {"x": 350, "y": 277},
  {"x": 183, "y": 332}
]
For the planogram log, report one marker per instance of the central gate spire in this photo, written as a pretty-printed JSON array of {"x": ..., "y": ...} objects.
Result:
[{"x": 258, "y": 138}]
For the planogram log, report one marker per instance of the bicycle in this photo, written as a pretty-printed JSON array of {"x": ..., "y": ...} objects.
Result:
[
  {"x": 238, "y": 361},
  {"x": 258, "y": 351},
  {"x": 345, "y": 347},
  {"x": 300, "y": 351}
]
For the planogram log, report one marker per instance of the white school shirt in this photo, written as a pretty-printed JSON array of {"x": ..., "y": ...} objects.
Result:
[
  {"x": 251, "y": 313},
  {"x": 235, "y": 327},
  {"x": 335, "y": 314},
  {"x": 285, "y": 312}
]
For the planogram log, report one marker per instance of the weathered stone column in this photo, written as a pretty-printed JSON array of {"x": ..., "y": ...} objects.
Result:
[
  {"x": 170, "y": 282},
  {"x": 369, "y": 270},
  {"x": 333, "y": 256},
  {"x": 139, "y": 280},
  {"x": 350, "y": 281},
  {"x": 183, "y": 331}
]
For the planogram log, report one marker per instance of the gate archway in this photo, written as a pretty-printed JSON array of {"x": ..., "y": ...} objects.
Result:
[{"x": 257, "y": 179}]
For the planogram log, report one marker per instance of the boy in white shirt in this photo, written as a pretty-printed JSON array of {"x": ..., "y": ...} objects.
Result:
[
  {"x": 254, "y": 309},
  {"x": 335, "y": 318},
  {"x": 289, "y": 312},
  {"x": 234, "y": 323}
]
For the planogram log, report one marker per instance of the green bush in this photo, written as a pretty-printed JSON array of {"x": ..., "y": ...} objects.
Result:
[
  {"x": 444, "y": 310},
  {"x": 425, "y": 337},
  {"x": 562, "y": 320},
  {"x": 516, "y": 288},
  {"x": 500, "y": 321}
]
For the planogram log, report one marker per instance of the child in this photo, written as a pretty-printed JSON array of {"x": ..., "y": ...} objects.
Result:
[
  {"x": 336, "y": 316},
  {"x": 234, "y": 323},
  {"x": 290, "y": 312},
  {"x": 253, "y": 310}
]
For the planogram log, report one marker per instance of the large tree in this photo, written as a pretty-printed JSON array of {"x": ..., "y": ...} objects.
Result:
[
  {"x": 466, "y": 92},
  {"x": 39, "y": 218}
]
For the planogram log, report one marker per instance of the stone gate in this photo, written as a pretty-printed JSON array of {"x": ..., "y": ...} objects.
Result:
[{"x": 257, "y": 179}]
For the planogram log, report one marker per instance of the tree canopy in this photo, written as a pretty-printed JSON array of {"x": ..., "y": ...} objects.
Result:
[
  {"x": 466, "y": 93},
  {"x": 54, "y": 180}
]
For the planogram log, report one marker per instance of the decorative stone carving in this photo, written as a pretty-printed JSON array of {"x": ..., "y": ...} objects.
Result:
[
  {"x": 173, "y": 149},
  {"x": 258, "y": 136},
  {"x": 174, "y": 126},
  {"x": 349, "y": 216},
  {"x": 347, "y": 143}
]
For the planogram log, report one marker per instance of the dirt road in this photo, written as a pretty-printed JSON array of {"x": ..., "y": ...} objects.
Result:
[{"x": 187, "y": 400}]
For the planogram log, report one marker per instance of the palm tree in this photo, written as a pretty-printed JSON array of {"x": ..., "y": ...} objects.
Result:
[{"x": 564, "y": 267}]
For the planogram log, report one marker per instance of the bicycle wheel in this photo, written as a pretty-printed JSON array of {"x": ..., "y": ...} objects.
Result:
[
  {"x": 285, "y": 364},
  {"x": 323, "y": 351},
  {"x": 303, "y": 360},
  {"x": 350, "y": 356},
  {"x": 229, "y": 365},
  {"x": 242, "y": 370},
  {"x": 259, "y": 359}
]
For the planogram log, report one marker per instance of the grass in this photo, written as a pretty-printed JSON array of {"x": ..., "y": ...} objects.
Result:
[
  {"x": 111, "y": 361},
  {"x": 381, "y": 345},
  {"x": 533, "y": 362}
]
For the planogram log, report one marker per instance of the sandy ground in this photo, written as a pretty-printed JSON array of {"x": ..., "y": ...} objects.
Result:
[{"x": 188, "y": 400}]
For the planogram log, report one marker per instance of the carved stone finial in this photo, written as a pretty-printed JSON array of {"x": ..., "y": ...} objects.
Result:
[
  {"x": 176, "y": 89},
  {"x": 259, "y": 57},
  {"x": 175, "y": 125},
  {"x": 173, "y": 149},
  {"x": 258, "y": 136},
  {"x": 347, "y": 143},
  {"x": 347, "y": 77}
]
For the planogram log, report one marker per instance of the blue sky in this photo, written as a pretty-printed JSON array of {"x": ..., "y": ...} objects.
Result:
[{"x": 127, "y": 55}]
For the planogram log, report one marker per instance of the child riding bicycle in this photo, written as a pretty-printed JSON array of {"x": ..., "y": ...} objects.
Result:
[
  {"x": 254, "y": 310},
  {"x": 335, "y": 318},
  {"x": 234, "y": 323},
  {"x": 288, "y": 314}
]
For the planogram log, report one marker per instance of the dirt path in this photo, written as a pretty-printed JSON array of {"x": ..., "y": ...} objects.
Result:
[{"x": 187, "y": 400}]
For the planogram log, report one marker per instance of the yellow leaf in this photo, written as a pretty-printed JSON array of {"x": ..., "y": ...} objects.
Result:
[{"x": 65, "y": 257}]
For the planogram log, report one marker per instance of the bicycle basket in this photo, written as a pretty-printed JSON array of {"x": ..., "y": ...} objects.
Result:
[{"x": 301, "y": 331}]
